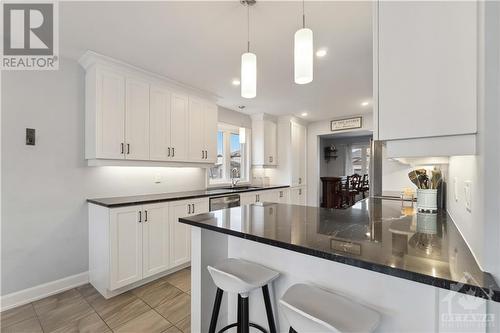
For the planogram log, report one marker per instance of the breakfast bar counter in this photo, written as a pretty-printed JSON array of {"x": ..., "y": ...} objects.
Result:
[{"x": 409, "y": 266}]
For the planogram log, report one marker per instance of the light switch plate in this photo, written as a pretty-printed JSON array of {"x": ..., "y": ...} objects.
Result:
[{"x": 468, "y": 195}]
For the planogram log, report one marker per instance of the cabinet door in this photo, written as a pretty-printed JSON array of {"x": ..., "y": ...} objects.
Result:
[
  {"x": 155, "y": 239},
  {"x": 179, "y": 127},
  {"x": 210, "y": 133},
  {"x": 298, "y": 136},
  {"x": 137, "y": 119},
  {"x": 180, "y": 233},
  {"x": 269, "y": 196},
  {"x": 284, "y": 196},
  {"x": 159, "y": 124},
  {"x": 270, "y": 156},
  {"x": 427, "y": 68},
  {"x": 248, "y": 198},
  {"x": 298, "y": 196},
  {"x": 125, "y": 233},
  {"x": 110, "y": 117},
  {"x": 196, "y": 130}
]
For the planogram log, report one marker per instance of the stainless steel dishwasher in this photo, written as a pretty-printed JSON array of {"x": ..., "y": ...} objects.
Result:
[{"x": 226, "y": 201}]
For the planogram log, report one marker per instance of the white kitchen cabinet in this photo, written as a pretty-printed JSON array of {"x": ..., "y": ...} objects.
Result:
[
  {"x": 155, "y": 239},
  {"x": 264, "y": 139},
  {"x": 283, "y": 196},
  {"x": 269, "y": 196},
  {"x": 426, "y": 72},
  {"x": 180, "y": 234},
  {"x": 298, "y": 196},
  {"x": 125, "y": 239},
  {"x": 202, "y": 131},
  {"x": 210, "y": 132},
  {"x": 136, "y": 119},
  {"x": 298, "y": 154},
  {"x": 105, "y": 114},
  {"x": 249, "y": 198},
  {"x": 168, "y": 125}
]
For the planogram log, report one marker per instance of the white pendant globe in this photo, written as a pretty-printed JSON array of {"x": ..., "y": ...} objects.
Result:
[
  {"x": 303, "y": 56},
  {"x": 248, "y": 75}
]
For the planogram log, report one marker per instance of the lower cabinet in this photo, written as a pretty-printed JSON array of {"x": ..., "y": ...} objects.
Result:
[
  {"x": 128, "y": 244},
  {"x": 277, "y": 196},
  {"x": 298, "y": 195},
  {"x": 180, "y": 234}
]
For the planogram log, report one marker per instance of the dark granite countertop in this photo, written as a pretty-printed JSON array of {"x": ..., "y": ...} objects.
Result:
[
  {"x": 381, "y": 235},
  {"x": 154, "y": 198}
]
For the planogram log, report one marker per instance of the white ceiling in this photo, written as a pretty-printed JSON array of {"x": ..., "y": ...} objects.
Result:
[{"x": 200, "y": 44}]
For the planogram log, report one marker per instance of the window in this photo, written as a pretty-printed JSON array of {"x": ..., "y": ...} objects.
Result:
[
  {"x": 232, "y": 156},
  {"x": 360, "y": 159}
]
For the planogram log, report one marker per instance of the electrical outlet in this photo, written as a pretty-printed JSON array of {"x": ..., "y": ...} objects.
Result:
[{"x": 468, "y": 195}]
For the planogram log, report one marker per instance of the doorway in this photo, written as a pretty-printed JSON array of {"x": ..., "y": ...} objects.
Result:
[{"x": 344, "y": 168}]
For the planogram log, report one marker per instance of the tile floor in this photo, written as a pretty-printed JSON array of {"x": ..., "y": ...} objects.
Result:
[{"x": 159, "y": 306}]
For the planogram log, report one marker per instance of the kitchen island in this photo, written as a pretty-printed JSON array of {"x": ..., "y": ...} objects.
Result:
[{"x": 415, "y": 269}]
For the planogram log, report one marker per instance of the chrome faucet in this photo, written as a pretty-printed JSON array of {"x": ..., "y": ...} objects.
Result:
[{"x": 234, "y": 175}]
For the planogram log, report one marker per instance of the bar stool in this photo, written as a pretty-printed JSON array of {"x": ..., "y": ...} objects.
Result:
[
  {"x": 310, "y": 309},
  {"x": 241, "y": 277}
]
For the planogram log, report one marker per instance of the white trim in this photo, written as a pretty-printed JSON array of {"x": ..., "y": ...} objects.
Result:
[{"x": 28, "y": 295}]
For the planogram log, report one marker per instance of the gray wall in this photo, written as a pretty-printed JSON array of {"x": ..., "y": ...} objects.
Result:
[{"x": 44, "y": 188}]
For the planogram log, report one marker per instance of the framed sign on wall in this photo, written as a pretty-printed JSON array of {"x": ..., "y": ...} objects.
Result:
[{"x": 348, "y": 123}]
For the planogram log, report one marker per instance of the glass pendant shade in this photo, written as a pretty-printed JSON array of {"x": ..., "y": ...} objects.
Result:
[
  {"x": 303, "y": 56},
  {"x": 248, "y": 75}
]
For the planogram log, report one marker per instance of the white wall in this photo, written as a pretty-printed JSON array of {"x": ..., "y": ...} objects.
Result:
[
  {"x": 44, "y": 187},
  {"x": 234, "y": 118},
  {"x": 314, "y": 130}
]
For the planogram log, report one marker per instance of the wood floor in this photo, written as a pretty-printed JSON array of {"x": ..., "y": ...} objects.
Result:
[{"x": 160, "y": 306}]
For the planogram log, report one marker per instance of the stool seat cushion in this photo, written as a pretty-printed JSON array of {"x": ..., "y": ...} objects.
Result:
[
  {"x": 311, "y": 309},
  {"x": 240, "y": 276}
]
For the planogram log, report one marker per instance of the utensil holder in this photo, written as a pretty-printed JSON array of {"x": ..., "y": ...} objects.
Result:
[
  {"x": 427, "y": 200},
  {"x": 427, "y": 223}
]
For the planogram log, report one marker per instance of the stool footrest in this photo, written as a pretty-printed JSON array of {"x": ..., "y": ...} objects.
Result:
[{"x": 260, "y": 328}]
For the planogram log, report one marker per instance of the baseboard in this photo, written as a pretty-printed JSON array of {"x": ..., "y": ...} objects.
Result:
[{"x": 26, "y": 296}]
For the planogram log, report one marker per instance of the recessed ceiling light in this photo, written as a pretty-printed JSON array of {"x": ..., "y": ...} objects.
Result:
[
  {"x": 365, "y": 103},
  {"x": 236, "y": 82},
  {"x": 304, "y": 114},
  {"x": 321, "y": 53}
]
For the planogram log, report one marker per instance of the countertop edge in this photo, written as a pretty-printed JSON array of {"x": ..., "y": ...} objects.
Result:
[
  {"x": 181, "y": 197},
  {"x": 481, "y": 292}
]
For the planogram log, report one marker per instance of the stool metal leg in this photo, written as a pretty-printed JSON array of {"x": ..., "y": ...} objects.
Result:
[
  {"x": 245, "y": 324},
  {"x": 269, "y": 309},
  {"x": 239, "y": 314},
  {"x": 215, "y": 311}
]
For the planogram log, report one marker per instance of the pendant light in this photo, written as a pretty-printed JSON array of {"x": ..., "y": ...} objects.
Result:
[
  {"x": 248, "y": 62},
  {"x": 303, "y": 53}
]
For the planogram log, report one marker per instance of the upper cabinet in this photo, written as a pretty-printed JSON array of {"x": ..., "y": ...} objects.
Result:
[
  {"x": 426, "y": 70},
  {"x": 264, "y": 138},
  {"x": 138, "y": 116}
]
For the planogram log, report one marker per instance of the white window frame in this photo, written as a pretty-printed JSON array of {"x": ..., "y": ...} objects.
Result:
[{"x": 227, "y": 129}]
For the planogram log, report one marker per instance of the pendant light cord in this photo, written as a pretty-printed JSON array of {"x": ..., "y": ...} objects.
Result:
[
  {"x": 248, "y": 28},
  {"x": 303, "y": 15}
]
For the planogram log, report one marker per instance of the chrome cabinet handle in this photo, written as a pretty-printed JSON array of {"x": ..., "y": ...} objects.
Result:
[
  {"x": 270, "y": 159},
  {"x": 173, "y": 152},
  {"x": 140, "y": 216},
  {"x": 202, "y": 154},
  {"x": 300, "y": 180},
  {"x": 206, "y": 154},
  {"x": 168, "y": 151},
  {"x": 281, "y": 194},
  {"x": 193, "y": 208},
  {"x": 145, "y": 216},
  {"x": 121, "y": 144},
  {"x": 300, "y": 191},
  {"x": 189, "y": 208},
  {"x": 128, "y": 148}
]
